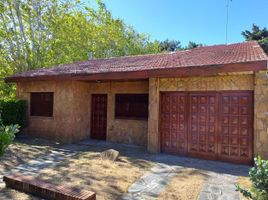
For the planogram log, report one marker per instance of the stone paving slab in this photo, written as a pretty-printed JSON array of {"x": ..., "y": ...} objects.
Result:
[
  {"x": 219, "y": 187},
  {"x": 152, "y": 183}
]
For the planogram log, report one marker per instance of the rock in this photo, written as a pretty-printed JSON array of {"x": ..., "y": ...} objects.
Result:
[{"x": 110, "y": 154}]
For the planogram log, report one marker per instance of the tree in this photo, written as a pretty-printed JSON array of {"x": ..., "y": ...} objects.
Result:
[
  {"x": 36, "y": 34},
  {"x": 192, "y": 45},
  {"x": 170, "y": 45},
  {"x": 259, "y": 35}
]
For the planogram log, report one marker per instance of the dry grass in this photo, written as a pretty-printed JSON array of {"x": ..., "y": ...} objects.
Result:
[
  {"x": 87, "y": 171},
  {"x": 184, "y": 186},
  {"x": 244, "y": 182}
]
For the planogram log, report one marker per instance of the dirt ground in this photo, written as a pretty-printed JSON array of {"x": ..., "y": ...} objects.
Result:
[
  {"x": 185, "y": 185},
  {"x": 244, "y": 182}
]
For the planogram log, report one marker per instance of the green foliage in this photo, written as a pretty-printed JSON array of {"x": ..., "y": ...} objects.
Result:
[
  {"x": 258, "y": 34},
  {"x": 7, "y": 135},
  {"x": 192, "y": 45},
  {"x": 170, "y": 45},
  {"x": 259, "y": 178},
  {"x": 13, "y": 112},
  {"x": 175, "y": 45},
  {"x": 264, "y": 44}
]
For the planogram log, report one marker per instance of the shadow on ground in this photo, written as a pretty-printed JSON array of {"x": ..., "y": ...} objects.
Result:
[{"x": 140, "y": 153}]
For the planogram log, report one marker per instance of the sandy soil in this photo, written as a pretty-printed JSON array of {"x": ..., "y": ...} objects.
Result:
[{"x": 185, "y": 185}]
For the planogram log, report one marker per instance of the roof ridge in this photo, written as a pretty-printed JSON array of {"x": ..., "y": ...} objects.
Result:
[{"x": 231, "y": 44}]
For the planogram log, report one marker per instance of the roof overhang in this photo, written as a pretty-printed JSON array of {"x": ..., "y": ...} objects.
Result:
[{"x": 208, "y": 70}]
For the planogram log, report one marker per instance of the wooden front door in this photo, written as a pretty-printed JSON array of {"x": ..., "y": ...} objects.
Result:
[
  {"x": 209, "y": 125},
  {"x": 98, "y": 116}
]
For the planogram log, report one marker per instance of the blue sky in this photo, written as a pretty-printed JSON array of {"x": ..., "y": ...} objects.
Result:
[{"x": 201, "y": 21}]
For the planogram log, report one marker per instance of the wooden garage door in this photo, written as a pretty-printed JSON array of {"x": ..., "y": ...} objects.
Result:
[{"x": 209, "y": 125}]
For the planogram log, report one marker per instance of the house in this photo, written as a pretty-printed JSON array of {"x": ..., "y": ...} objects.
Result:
[{"x": 209, "y": 102}]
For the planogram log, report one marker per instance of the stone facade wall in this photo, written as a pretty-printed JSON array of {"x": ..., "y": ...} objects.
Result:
[
  {"x": 212, "y": 83},
  {"x": 72, "y": 111},
  {"x": 239, "y": 81},
  {"x": 261, "y": 115},
  {"x": 81, "y": 111},
  {"x": 69, "y": 122},
  {"x": 122, "y": 130}
]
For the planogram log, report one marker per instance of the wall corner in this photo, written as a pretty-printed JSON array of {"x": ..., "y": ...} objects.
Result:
[
  {"x": 261, "y": 114},
  {"x": 153, "y": 121}
]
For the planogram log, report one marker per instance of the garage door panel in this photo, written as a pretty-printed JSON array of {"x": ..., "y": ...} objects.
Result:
[
  {"x": 236, "y": 123},
  {"x": 203, "y": 109},
  {"x": 210, "y": 125},
  {"x": 175, "y": 139}
]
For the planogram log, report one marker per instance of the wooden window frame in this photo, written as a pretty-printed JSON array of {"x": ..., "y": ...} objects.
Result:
[
  {"x": 133, "y": 104},
  {"x": 43, "y": 109}
]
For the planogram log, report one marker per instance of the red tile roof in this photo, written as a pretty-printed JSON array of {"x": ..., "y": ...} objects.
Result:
[{"x": 200, "y": 56}]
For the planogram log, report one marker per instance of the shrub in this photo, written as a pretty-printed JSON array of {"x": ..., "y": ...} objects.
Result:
[
  {"x": 7, "y": 135},
  {"x": 259, "y": 178},
  {"x": 13, "y": 112}
]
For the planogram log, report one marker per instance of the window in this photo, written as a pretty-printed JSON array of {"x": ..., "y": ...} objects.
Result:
[
  {"x": 41, "y": 104},
  {"x": 131, "y": 106}
]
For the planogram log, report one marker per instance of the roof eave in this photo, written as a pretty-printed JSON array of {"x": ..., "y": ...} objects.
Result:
[{"x": 207, "y": 70}]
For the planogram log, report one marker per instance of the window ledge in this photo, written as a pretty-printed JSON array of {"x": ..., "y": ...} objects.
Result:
[{"x": 42, "y": 117}]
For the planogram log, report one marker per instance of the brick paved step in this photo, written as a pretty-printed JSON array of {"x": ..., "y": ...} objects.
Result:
[{"x": 29, "y": 184}]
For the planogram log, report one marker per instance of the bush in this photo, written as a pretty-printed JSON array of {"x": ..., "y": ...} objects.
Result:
[
  {"x": 13, "y": 112},
  {"x": 259, "y": 178},
  {"x": 7, "y": 135}
]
